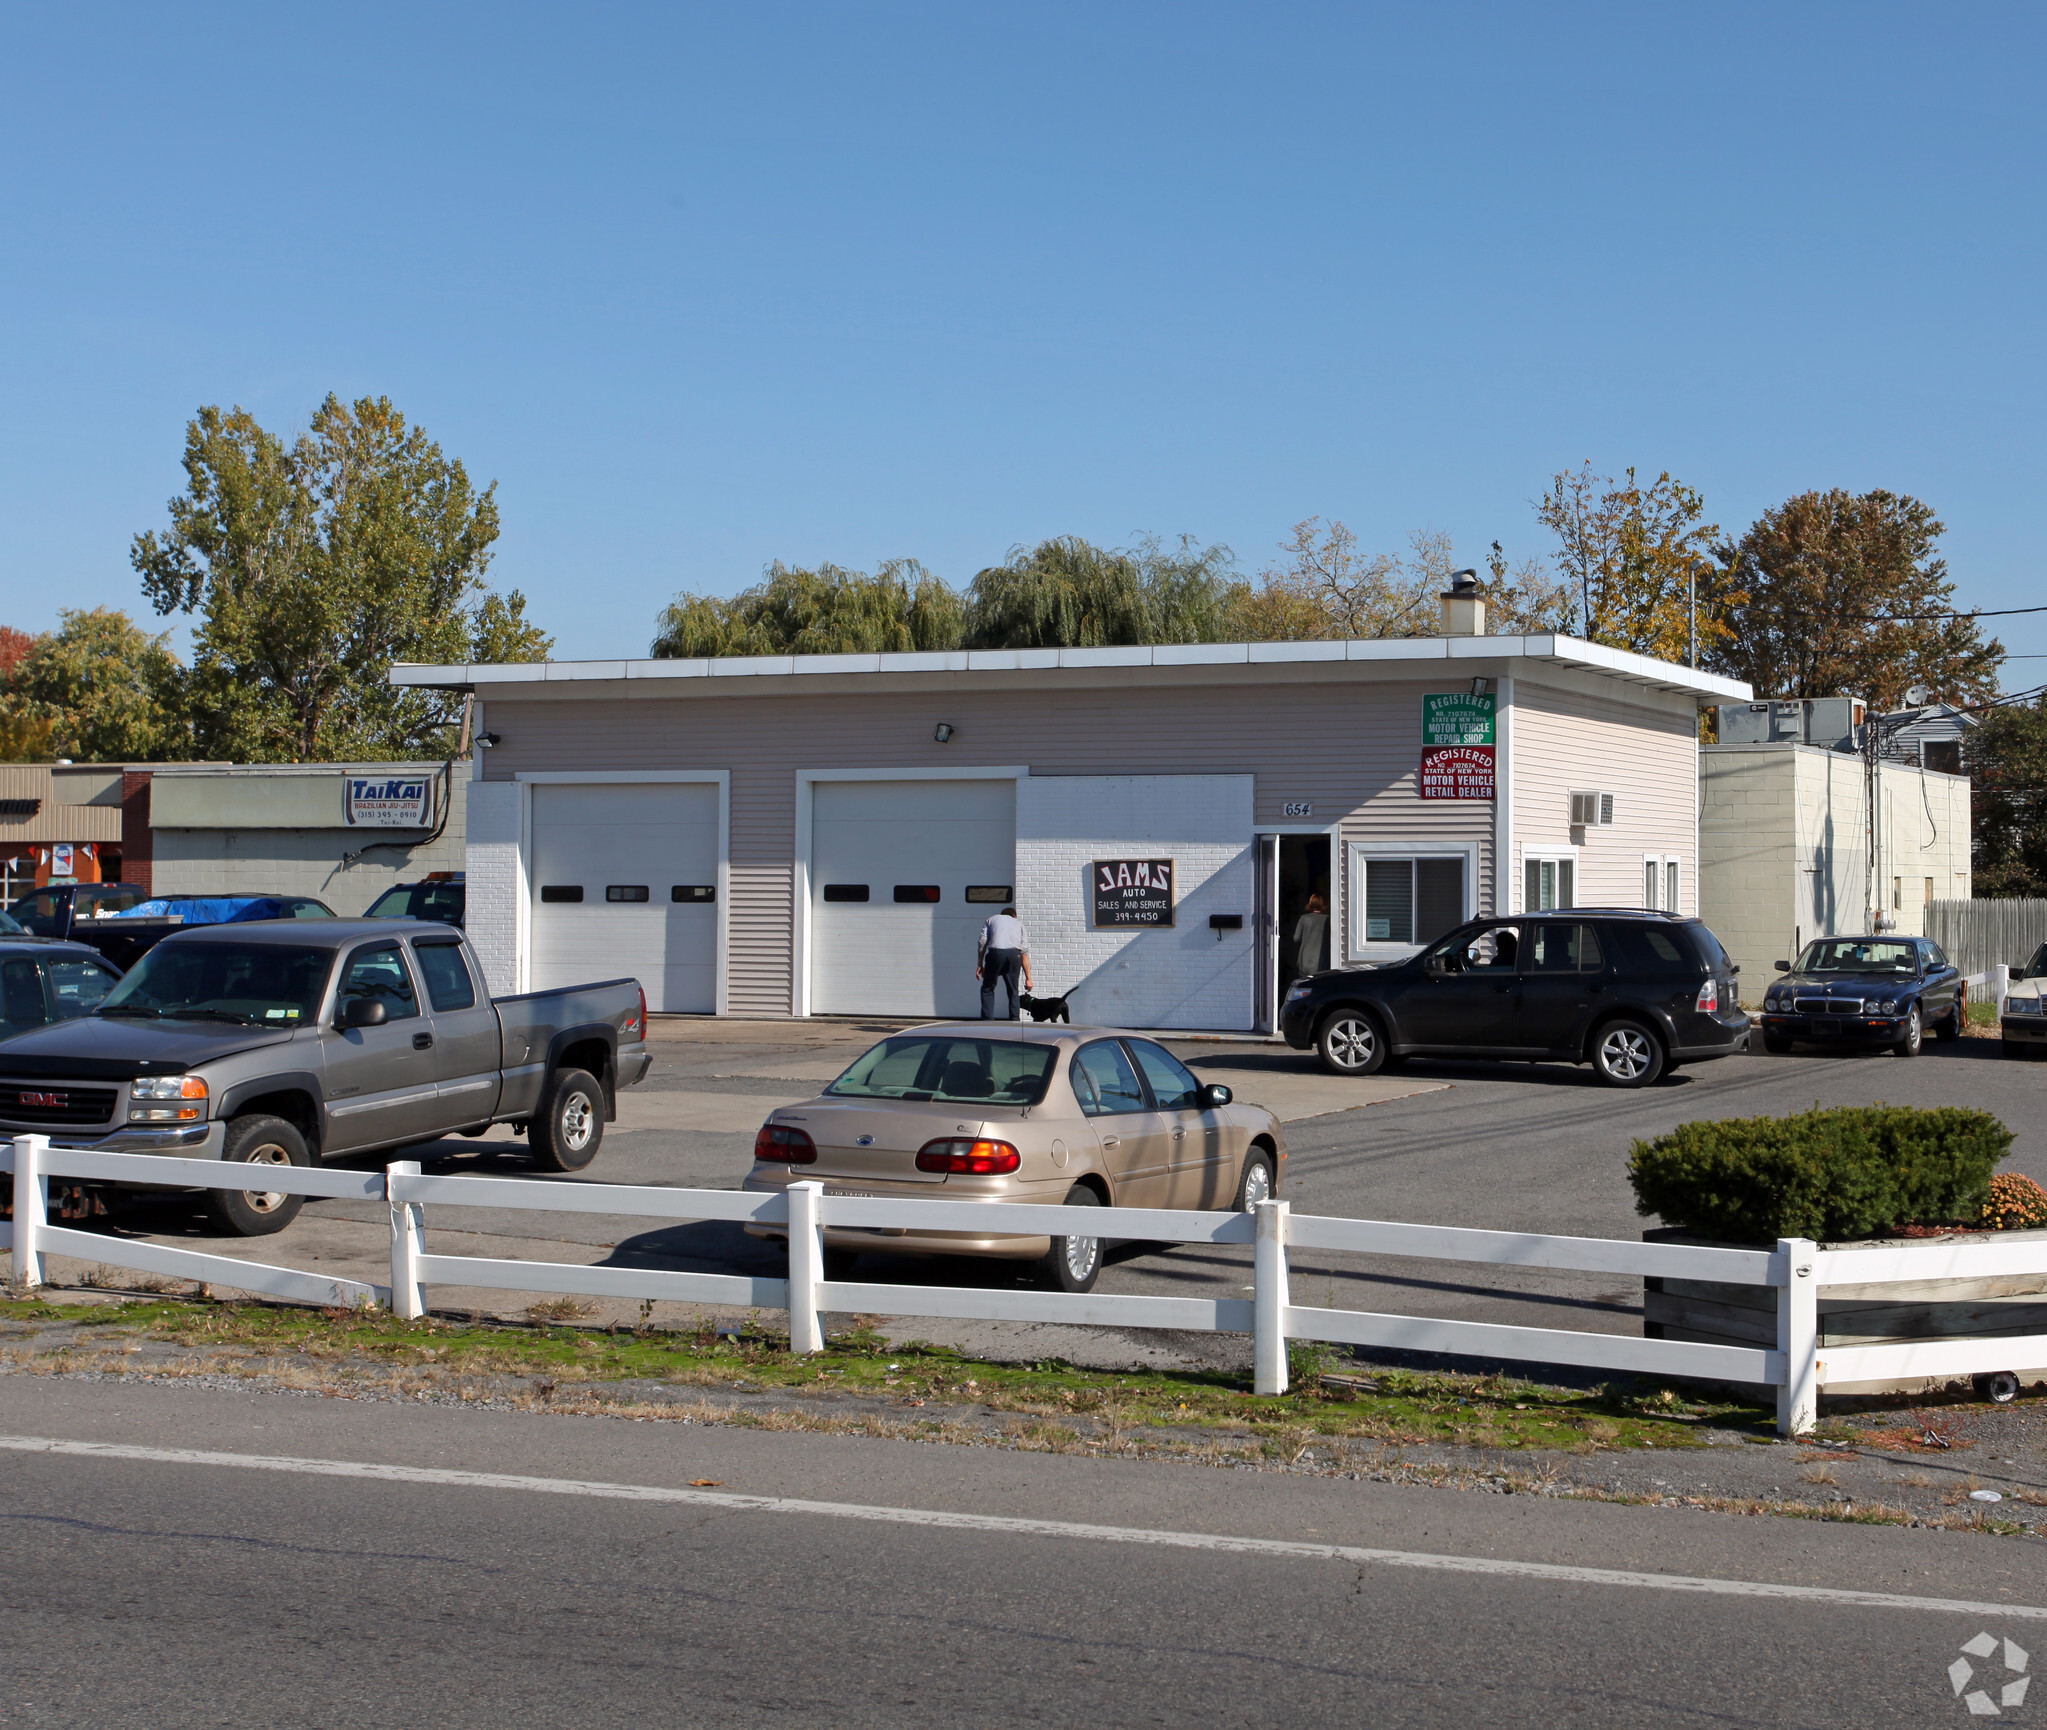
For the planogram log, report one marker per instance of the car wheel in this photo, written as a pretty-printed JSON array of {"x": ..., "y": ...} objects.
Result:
[
  {"x": 568, "y": 1129},
  {"x": 1772, "y": 1043},
  {"x": 1074, "y": 1263},
  {"x": 1350, "y": 1043},
  {"x": 258, "y": 1140},
  {"x": 1256, "y": 1184},
  {"x": 1910, "y": 1040},
  {"x": 1956, "y": 1020},
  {"x": 1626, "y": 1054}
]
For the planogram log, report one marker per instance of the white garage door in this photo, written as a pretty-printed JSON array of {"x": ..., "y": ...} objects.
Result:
[
  {"x": 625, "y": 882},
  {"x": 891, "y": 929}
]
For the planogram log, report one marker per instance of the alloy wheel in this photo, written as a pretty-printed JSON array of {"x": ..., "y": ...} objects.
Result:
[
  {"x": 578, "y": 1121},
  {"x": 1081, "y": 1255},
  {"x": 1352, "y": 1042},
  {"x": 1257, "y": 1184},
  {"x": 1624, "y": 1053}
]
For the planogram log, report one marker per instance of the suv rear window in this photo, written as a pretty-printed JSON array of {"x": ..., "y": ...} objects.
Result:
[
  {"x": 1656, "y": 948},
  {"x": 1708, "y": 945}
]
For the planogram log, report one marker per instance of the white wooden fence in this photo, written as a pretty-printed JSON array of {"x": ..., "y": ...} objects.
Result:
[{"x": 1796, "y": 1268}]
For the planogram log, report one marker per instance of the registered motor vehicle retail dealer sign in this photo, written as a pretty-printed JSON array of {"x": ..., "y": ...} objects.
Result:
[
  {"x": 1132, "y": 892},
  {"x": 1457, "y": 772},
  {"x": 387, "y": 801}
]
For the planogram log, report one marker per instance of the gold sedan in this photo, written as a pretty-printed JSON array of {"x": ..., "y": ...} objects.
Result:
[{"x": 974, "y": 1111}]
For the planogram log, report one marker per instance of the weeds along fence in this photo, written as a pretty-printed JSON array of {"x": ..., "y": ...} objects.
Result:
[
  {"x": 1794, "y": 1269},
  {"x": 1980, "y": 935}
]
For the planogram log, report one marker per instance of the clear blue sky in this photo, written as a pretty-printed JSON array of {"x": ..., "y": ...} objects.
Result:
[{"x": 704, "y": 287}]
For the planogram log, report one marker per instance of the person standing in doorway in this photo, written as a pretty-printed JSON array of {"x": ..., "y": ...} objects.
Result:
[
  {"x": 1005, "y": 950},
  {"x": 1311, "y": 939}
]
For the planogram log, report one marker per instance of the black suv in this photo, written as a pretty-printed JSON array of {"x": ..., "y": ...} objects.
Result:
[{"x": 1633, "y": 993}]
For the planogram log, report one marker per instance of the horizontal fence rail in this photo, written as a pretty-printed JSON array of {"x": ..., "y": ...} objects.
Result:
[{"x": 1794, "y": 1270}]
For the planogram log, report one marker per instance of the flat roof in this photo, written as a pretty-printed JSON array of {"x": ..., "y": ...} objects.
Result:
[{"x": 1547, "y": 650}]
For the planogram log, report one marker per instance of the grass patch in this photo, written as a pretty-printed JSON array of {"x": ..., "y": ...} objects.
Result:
[{"x": 1388, "y": 1406}]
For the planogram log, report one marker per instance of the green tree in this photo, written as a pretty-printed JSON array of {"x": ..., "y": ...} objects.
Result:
[
  {"x": 826, "y": 611},
  {"x": 98, "y": 689},
  {"x": 2008, "y": 771},
  {"x": 1068, "y": 593},
  {"x": 315, "y": 566},
  {"x": 1846, "y": 594},
  {"x": 1631, "y": 552}
]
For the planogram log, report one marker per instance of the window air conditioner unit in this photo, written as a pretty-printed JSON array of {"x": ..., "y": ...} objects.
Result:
[{"x": 1591, "y": 810}]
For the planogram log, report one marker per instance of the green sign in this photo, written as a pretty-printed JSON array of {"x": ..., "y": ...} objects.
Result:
[{"x": 1457, "y": 718}]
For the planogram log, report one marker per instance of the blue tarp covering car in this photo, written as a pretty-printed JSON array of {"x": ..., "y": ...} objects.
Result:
[{"x": 209, "y": 909}]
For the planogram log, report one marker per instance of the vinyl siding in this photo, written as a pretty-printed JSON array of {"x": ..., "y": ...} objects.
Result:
[
  {"x": 1644, "y": 753},
  {"x": 1350, "y": 750}
]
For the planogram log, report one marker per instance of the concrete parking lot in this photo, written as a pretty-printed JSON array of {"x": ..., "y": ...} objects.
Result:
[{"x": 1529, "y": 1147}]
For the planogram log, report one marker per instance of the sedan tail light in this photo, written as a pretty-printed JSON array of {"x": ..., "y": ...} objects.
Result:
[
  {"x": 1709, "y": 997},
  {"x": 970, "y": 1158},
  {"x": 780, "y": 1144}
]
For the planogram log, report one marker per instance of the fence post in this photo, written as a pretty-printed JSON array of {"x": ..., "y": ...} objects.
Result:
[
  {"x": 1798, "y": 1335},
  {"x": 1269, "y": 1298},
  {"x": 1997, "y": 984},
  {"x": 31, "y": 1204},
  {"x": 408, "y": 1243},
  {"x": 806, "y": 1265}
]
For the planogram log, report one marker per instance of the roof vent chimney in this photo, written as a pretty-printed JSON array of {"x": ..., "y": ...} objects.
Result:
[{"x": 1463, "y": 606}]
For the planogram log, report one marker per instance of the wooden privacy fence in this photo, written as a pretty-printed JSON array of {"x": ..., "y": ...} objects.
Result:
[
  {"x": 1795, "y": 1268},
  {"x": 1980, "y": 935}
]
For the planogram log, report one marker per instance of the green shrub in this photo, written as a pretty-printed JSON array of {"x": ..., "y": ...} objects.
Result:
[{"x": 1838, "y": 1173}]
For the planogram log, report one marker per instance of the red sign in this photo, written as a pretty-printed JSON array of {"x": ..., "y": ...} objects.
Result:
[{"x": 1457, "y": 772}]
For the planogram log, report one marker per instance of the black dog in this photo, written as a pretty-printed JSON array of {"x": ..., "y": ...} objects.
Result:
[{"x": 1044, "y": 1008}]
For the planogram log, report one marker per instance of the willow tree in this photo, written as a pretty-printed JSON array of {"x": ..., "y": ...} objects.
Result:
[{"x": 825, "y": 611}]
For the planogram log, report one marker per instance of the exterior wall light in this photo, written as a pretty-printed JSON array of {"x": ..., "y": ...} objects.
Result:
[{"x": 942, "y": 732}]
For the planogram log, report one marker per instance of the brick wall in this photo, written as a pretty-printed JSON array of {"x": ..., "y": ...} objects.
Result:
[
  {"x": 1183, "y": 977},
  {"x": 137, "y": 852},
  {"x": 495, "y": 905}
]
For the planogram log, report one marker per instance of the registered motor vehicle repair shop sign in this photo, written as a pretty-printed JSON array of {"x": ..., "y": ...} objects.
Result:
[{"x": 1457, "y": 745}]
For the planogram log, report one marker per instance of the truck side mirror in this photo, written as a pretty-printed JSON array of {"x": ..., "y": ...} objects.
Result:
[{"x": 364, "y": 1012}]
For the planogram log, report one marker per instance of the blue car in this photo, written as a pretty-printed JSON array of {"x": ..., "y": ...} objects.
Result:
[{"x": 1868, "y": 991}]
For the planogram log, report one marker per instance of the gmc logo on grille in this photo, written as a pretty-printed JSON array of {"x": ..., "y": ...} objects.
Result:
[{"x": 56, "y": 1101}]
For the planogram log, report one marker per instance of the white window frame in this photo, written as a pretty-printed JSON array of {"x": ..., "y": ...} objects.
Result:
[
  {"x": 1665, "y": 863},
  {"x": 1534, "y": 854},
  {"x": 1356, "y": 853}
]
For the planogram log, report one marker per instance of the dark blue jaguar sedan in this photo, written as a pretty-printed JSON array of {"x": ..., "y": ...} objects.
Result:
[{"x": 1883, "y": 991}]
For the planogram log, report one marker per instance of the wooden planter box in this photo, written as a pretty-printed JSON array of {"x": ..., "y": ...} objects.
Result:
[{"x": 1893, "y": 1313}]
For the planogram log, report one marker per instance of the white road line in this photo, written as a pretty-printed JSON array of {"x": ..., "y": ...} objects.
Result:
[{"x": 1015, "y": 1527}]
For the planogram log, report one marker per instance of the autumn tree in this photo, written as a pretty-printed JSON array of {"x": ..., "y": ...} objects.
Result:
[
  {"x": 1841, "y": 593},
  {"x": 1632, "y": 553},
  {"x": 98, "y": 689},
  {"x": 316, "y": 565},
  {"x": 828, "y": 610},
  {"x": 2008, "y": 795}
]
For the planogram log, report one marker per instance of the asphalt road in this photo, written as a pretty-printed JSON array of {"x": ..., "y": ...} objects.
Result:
[{"x": 145, "y": 1592}]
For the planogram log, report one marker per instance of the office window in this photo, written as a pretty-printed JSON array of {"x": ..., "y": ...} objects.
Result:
[{"x": 1405, "y": 900}]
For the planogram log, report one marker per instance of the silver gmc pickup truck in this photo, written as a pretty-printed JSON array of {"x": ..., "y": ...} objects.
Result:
[{"x": 293, "y": 1041}]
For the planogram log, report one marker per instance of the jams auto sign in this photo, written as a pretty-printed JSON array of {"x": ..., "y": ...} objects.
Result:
[
  {"x": 388, "y": 801},
  {"x": 1132, "y": 892}
]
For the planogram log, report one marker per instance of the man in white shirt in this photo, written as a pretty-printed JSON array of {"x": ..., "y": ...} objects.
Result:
[{"x": 1005, "y": 949}]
